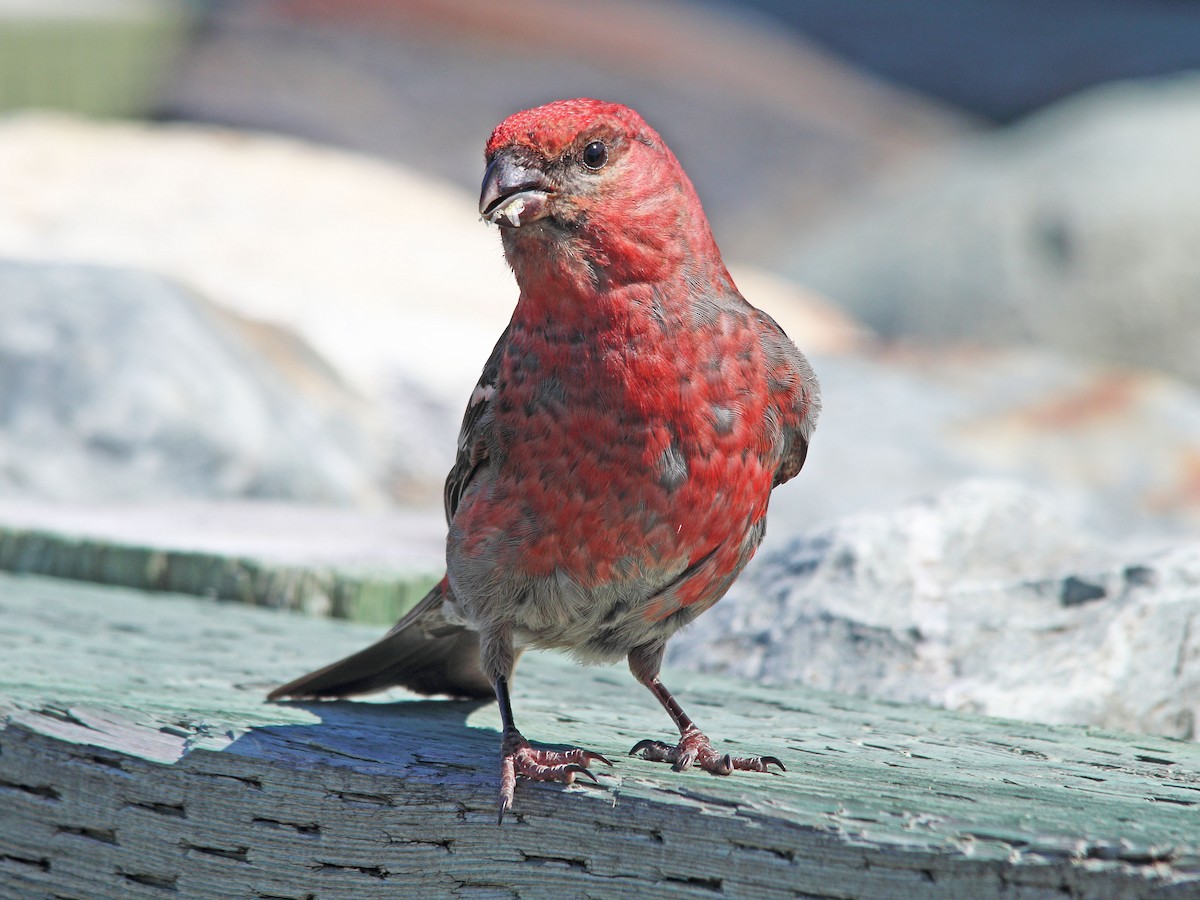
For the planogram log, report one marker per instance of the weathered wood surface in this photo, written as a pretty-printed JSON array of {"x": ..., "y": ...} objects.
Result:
[
  {"x": 365, "y": 566},
  {"x": 138, "y": 759}
]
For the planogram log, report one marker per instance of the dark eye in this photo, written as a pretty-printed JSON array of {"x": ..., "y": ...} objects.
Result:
[{"x": 595, "y": 155}]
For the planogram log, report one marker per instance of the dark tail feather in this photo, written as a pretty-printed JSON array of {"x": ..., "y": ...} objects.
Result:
[{"x": 423, "y": 652}]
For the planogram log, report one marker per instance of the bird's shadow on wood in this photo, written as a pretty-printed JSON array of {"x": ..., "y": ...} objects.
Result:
[
  {"x": 405, "y": 738},
  {"x": 398, "y": 737}
]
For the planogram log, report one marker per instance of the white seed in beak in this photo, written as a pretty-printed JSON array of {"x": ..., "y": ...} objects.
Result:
[{"x": 511, "y": 210}]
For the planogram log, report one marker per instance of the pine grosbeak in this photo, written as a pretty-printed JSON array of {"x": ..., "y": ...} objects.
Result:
[{"x": 617, "y": 456}]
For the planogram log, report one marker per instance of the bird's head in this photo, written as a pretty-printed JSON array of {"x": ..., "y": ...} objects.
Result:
[{"x": 586, "y": 193}]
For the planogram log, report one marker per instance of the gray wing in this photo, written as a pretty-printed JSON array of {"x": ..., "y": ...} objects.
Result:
[
  {"x": 473, "y": 435},
  {"x": 797, "y": 393}
]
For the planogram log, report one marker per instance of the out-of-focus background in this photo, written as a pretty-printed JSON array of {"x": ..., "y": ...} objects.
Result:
[{"x": 245, "y": 293}]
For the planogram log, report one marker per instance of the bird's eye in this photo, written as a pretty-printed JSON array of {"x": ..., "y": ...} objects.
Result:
[{"x": 595, "y": 155}]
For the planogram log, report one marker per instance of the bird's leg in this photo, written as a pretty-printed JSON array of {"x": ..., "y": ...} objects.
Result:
[
  {"x": 517, "y": 755},
  {"x": 694, "y": 747}
]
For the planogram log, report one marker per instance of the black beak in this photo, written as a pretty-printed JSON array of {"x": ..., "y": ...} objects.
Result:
[{"x": 513, "y": 194}]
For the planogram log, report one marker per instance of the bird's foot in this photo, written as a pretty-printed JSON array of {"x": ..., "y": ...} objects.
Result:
[
  {"x": 519, "y": 757},
  {"x": 694, "y": 748}
]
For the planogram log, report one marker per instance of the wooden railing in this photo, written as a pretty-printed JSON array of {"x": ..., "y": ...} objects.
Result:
[{"x": 139, "y": 759}]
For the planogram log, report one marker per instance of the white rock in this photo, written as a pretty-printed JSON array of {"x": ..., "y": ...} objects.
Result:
[
  {"x": 117, "y": 385},
  {"x": 986, "y": 597}
]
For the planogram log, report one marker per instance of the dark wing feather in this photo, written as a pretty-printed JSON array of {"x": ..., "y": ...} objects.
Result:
[
  {"x": 423, "y": 652},
  {"x": 796, "y": 393},
  {"x": 473, "y": 435}
]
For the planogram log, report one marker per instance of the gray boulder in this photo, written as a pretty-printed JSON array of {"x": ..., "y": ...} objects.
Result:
[
  {"x": 1077, "y": 229},
  {"x": 117, "y": 384},
  {"x": 986, "y": 597}
]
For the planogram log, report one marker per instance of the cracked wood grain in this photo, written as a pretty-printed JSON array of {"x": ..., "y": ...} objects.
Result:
[{"x": 137, "y": 759}]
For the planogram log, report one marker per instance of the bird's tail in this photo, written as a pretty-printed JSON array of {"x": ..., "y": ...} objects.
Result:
[{"x": 423, "y": 652}]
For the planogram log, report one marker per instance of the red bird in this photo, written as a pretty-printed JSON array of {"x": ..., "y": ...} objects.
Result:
[{"x": 617, "y": 456}]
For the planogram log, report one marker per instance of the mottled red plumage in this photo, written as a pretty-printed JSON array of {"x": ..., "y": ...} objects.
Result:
[{"x": 616, "y": 460}]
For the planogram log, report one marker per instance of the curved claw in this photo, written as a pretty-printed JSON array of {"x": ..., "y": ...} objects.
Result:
[
  {"x": 725, "y": 766},
  {"x": 647, "y": 744},
  {"x": 576, "y": 769},
  {"x": 508, "y": 783},
  {"x": 695, "y": 749},
  {"x": 520, "y": 759},
  {"x": 757, "y": 763},
  {"x": 683, "y": 761}
]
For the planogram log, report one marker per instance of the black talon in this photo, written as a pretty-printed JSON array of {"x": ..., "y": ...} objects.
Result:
[
  {"x": 646, "y": 744},
  {"x": 577, "y": 769},
  {"x": 685, "y": 761},
  {"x": 602, "y": 758},
  {"x": 771, "y": 760}
]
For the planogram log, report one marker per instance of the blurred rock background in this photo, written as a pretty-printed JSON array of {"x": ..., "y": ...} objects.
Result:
[{"x": 240, "y": 261}]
